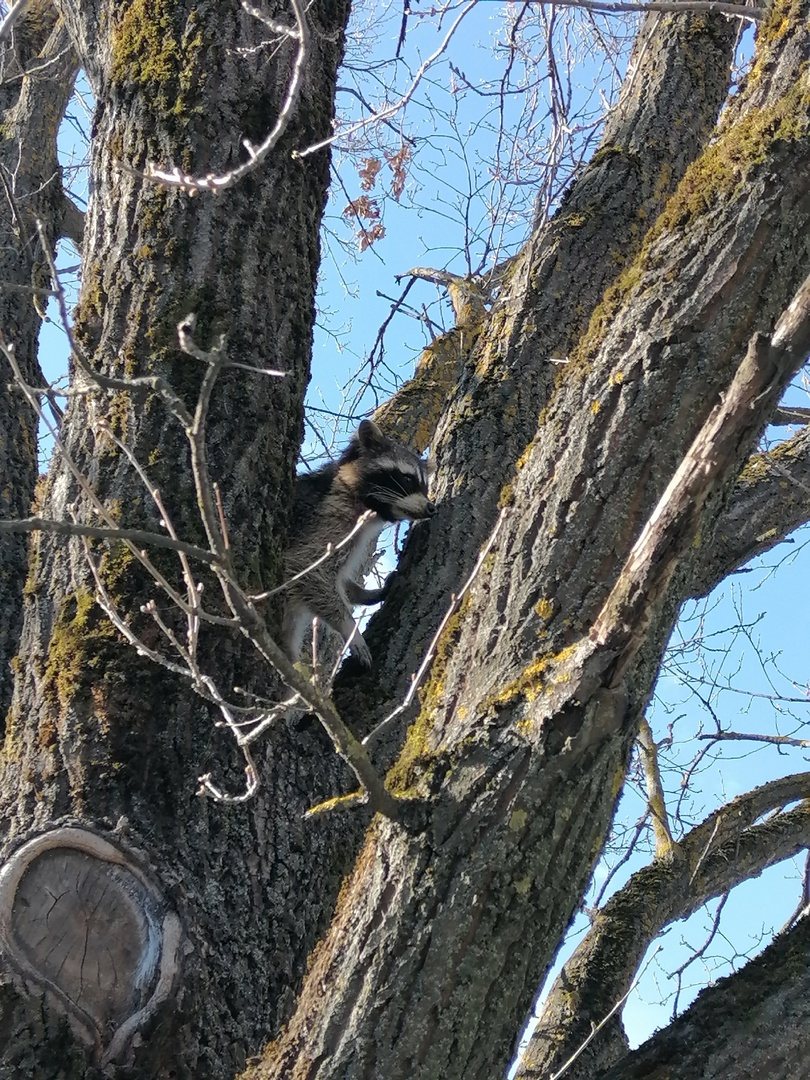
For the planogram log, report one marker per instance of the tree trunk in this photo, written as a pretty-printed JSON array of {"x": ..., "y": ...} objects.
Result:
[
  {"x": 200, "y": 916},
  {"x": 233, "y": 897},
  {"x": 679, "y": 67}
]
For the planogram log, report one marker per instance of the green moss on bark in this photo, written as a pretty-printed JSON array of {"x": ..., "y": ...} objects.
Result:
[
  {"x": 417, "y": 750},
  {"x": 156, "y": 48},
  {"x": 717, "y": 175},
  {"x": 725, "y": 165},
  {"x": 79, "y": 647}
]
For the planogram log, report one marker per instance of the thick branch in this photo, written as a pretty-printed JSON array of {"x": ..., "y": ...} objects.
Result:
[
  {"x": 655, "y": 790},
  {"x": 770, "y": 499},
  {"x": 755, "y": 1022},
  {"x": 714, "y": 857},
  {"x": 768, "y": 366},
  {"x": 413, "y": 413},
  {"x": 675, "y": 6},
  {"x": 790, "y": 415}
]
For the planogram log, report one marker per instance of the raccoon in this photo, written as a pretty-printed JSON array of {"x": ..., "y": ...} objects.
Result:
[{"x": 373, "y": 473}]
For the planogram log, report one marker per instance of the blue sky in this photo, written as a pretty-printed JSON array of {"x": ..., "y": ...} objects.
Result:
[{"x": 442, "y": 221}]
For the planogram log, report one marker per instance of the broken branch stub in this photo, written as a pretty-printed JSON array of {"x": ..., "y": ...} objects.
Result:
[{"x": 84, "y": 923}]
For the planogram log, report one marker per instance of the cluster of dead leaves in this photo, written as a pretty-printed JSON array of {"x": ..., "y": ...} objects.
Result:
[{"x": 365, "y": 208}]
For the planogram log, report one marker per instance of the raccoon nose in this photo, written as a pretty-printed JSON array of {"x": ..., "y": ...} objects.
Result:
[{"x": 430, "y": 509}]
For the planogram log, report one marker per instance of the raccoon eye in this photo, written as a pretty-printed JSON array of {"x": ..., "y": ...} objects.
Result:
[
  {"x": 409, "y": 483},
  {"x": 394, "y": 481}
]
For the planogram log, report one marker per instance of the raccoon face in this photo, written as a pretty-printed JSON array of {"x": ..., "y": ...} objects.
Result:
[{"x": 390, "y": 479}]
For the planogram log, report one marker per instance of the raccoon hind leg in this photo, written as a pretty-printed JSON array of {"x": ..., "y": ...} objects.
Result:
[
  {"x": 338, "y": 617},
  {"x": 297, "y": 617}
]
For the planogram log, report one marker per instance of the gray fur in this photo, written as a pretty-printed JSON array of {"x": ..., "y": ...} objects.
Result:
[{"x": 373, "y": 473}]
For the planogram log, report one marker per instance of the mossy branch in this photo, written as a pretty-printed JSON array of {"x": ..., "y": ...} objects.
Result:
[{"x": 664, "y": 843}]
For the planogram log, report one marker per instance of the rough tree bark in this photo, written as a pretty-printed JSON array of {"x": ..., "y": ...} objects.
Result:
[
  {"x": 97, "y": 737},
  {"x": 539, "y": 686},
  {"x": 510, "y": 771}
]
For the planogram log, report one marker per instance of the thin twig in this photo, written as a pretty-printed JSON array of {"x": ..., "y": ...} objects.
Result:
[
  {"x": 101, "y": 532},
  {"x": 251, "y": 621},
  {"x": 678, "y": 973},
  {"x": 140, "y": 385},
  {"x": 390, "y": 110}
]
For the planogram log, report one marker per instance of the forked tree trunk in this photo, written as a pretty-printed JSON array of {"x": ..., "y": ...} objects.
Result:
[{"x": 526, "y": 722}]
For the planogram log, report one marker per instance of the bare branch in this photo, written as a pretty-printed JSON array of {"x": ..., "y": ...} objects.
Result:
[
  {"x": 110, "y": 533},
  {"x": 771, "y": 993},
  {"x": 700, "y": 951},
  {"x": 760, "y": 511},
  {"x": 612, "y": 7},
  {"x": 655, "y": 791},
  {"x": 141, "y": 385},
  {"x": 744, "y": 736},
  {"x": 790, "y": 415},
  {"x": 598, "y": 1027},
  {"x": 71, "y": 225},
  {"x": 329, "y": 551},
  {"x": 251, "y": 622}
]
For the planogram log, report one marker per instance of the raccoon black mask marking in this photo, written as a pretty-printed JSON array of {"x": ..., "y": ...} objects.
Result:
[{"x": 373, "y": 473}]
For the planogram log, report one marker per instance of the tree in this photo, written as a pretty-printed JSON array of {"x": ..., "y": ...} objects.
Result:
[{"x": 580, "y": 505}]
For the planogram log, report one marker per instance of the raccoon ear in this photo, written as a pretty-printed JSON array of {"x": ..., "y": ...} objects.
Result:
[{"x": 369, "y": 436}]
